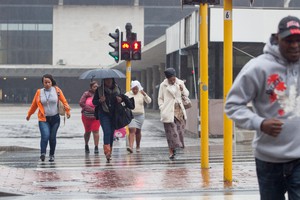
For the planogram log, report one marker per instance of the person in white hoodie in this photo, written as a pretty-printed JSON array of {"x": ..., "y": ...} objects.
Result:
[
  {"x": 271, "y": 83},
  {"x": 172, "y": 111},
  {"x": 135, "y": 126}
]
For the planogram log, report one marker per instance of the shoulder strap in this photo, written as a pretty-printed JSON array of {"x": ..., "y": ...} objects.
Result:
[{"x": 57, "y": 90}]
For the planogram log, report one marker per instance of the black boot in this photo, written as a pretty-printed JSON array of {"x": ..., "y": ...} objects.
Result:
[{"x": 87, "y": 149}]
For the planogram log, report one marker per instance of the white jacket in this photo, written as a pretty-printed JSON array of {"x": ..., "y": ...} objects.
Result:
[
  {"x": 139, "y": 100},
  {"x": 167, "y": 99}
]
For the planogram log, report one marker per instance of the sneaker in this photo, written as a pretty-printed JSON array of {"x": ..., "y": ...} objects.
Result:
[
  {"x": 51, "y": 159},
  {"x": 96, "y": 150},
  {"x": 129, "y": 150},
  {"x": 87, "y": 149},
  {"x": 138, "y": 149},
  {"x": 42, "y": 157}
]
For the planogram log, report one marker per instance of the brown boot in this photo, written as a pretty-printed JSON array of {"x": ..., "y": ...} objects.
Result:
[{"x": 107, "y": 151}]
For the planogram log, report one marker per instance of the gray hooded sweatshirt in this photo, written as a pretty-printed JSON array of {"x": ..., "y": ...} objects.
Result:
[{"x": 271, "y": 84}]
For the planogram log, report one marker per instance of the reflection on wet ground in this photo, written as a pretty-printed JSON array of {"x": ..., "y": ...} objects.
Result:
[
  {"x": 149, "y": 171},
  {"x": 138, "y": 176}
]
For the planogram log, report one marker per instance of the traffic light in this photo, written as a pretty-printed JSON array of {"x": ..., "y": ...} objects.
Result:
[
  {"x": 125, "y": 50},
  {"x": 136, "y": 50},
  {"x": 116, "y": 44}
]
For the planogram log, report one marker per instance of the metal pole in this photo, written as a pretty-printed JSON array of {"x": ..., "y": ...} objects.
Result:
[
  {"x": 179, "y": 52},
  {"x": 128, "y": 81},
  {"x": 203, "y": 68},
  {"x": 128, "y": 75},
  {"x": 227, "y": 85}
]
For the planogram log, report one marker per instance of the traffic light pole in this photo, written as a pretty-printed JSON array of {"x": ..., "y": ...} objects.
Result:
[
  {"x": 128, "y": 81},
  {"x": 227, "y": 85},
  {"x": 203, "y": 69},
  {"x": 128, "y": 75}
]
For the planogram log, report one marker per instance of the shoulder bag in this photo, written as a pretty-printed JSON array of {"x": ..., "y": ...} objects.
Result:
[{"x": 186, "y": 102}]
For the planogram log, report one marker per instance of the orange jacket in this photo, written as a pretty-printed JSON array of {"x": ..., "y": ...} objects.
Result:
[{"x": 36, "y": 103}]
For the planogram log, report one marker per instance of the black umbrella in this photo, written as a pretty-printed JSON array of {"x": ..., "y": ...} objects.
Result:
[{"x": 102, "y": 74}]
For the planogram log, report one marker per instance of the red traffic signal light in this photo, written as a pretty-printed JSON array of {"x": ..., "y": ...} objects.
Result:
[
  {"x": 125, "y": 45},
  {"x": 136, "y": 50},
  {"x": 125, "y": 50}
]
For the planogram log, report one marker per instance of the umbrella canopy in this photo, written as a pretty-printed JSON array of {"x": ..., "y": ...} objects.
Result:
[{"x": 102, "y": 74}]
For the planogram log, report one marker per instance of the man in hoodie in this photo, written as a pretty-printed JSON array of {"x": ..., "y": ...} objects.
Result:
[{"x": 271, "y": 83}]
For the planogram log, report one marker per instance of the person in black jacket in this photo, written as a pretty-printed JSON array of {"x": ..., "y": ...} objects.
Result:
[{"x": 106, "y": 99}]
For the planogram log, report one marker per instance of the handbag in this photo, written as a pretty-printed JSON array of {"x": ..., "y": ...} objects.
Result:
[
  {"x": 120, "y": 133},
  {"x": 61, "y": 109},
  {"x": 186, "y": 102},
  {"x": 89, "y": 114},
  {"x": 60, "y": 105},
  {"x": 123, "y": 116}
]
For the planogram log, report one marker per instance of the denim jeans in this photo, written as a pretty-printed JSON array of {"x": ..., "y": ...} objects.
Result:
[
  {"x": 275, "y": 179},
  {"x": 48, "y": 131},
  {"x": 107, "y": 127}
]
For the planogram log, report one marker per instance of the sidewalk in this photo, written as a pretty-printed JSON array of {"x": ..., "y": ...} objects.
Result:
[{"x": 145, "y": 175}]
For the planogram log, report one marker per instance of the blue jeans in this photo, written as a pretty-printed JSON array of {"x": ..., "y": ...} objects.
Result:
[
  {"x": 48, "y": 131},
  {"x": 107, "y": 127},
  {"x": 275, "y": 179}
]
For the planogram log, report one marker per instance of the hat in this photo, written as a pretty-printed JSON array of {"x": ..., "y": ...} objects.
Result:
[
  {"x": 170, "y": 72},
  {"x": 289, "y": 25}
]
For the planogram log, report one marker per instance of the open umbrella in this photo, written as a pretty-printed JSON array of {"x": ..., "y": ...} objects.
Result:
[{"x": 102, "y": 74}]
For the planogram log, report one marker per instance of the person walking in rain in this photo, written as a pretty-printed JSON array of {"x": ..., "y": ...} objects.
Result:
[
  {"x": 91, "y": 124},
  {"x": 271, "y": 83},
  {"x": 106, "y": 98},
  {"x": 172, "y": 111},
  {"x": 47, "y": 100},
  {"x": 135, "y": 127}
]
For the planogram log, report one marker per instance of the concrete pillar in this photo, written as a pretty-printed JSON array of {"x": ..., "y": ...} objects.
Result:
[
  {"x": 156, "y": 82},
  {"x": 138, "y": 76},
  {"x": 161, "y": 69},
  {"x": 143, "y": 80},
  {"x": 149, "y": 85}
]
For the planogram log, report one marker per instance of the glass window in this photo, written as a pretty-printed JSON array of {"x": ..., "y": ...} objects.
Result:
[
  {"x": 3, "y": 40},
  {"x": 3, "y": 57},
  {"x": 44, "y": 57},
  {"x": 45, "y": 27},
  {"x": 29, "y": 27},
  {"x": 14, "y": 40},
  {"x": 98, "y": 2},
  {"x": 45, "y": 40},
  {"x": 14, "y": 27},
  {"x": 294, "y": 3},
  {"x": 3, "y": 27}
]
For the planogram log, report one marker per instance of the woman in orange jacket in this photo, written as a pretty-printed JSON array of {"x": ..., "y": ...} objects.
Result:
[{"x": 47, "y": 101}]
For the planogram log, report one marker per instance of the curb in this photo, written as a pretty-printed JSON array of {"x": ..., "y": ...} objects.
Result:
[{"x": 15, "y": 148}]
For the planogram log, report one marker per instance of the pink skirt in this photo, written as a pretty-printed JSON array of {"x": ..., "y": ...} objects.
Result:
[{"x": 90, "y": 124}]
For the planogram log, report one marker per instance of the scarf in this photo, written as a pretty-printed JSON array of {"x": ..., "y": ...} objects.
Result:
[{"x": 109, "y": 94}]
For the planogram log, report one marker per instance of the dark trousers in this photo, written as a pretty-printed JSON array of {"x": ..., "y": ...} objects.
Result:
[
  {"x": 275, "y": 179},
  {"x": 107, "y": 127}
]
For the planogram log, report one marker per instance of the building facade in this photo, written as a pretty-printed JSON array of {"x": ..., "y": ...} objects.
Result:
[{"x": 68, "y": 37}]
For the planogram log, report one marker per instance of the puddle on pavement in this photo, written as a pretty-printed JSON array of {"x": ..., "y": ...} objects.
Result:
[{"x": 56, "y": 184}]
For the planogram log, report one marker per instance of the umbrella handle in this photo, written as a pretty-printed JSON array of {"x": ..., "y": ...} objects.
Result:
[{"x": 103, "y": 87}]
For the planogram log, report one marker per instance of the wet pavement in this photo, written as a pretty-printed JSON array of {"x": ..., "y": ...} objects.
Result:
[{"x": 148, "y": 174}]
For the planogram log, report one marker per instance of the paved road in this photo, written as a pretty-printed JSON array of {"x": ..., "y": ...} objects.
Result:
[{"x": 145, "y": 175}]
